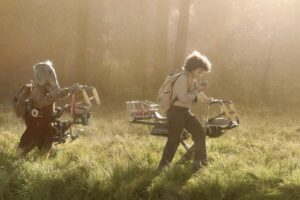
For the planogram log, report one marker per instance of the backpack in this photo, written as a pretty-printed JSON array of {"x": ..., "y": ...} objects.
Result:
[
  {"x": 165, "y": 92},
  {"x": 20, "y": 100}
]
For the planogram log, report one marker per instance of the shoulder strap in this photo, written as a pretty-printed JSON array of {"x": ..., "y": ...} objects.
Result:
[
  {"x": 175, "y": 99},
  {"x": 21, "y": 89},
  {"x": 24, "y": 86}
]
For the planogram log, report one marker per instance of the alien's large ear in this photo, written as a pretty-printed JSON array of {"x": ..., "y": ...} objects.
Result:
[{"x": 52, "y": 78}]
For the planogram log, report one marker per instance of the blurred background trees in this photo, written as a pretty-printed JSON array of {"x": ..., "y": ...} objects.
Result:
[{"x": 126, "y": 48}]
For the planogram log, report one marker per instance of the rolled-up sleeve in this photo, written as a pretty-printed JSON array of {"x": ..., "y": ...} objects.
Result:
[
  {"x": 63, "y": 93},
  {"x": 181, "y": 93},
  {"x": 42, "y": 98},
  {"x": 57, "y": 92}
]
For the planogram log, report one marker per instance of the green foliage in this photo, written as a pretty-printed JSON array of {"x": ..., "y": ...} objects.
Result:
[{"x": 117, "y": 160}]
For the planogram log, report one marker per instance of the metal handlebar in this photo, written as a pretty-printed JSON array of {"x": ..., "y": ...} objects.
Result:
[
  {"x": 227, "y": 107},
  {"x": 219, "y": 101},
  {"x": 86, "y": 98}
]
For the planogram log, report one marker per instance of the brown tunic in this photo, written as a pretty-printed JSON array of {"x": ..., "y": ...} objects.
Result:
[{"x": 39, "y": 131}]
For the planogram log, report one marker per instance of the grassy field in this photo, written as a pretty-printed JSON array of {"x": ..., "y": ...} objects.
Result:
[{"x": 116, "y": 160}]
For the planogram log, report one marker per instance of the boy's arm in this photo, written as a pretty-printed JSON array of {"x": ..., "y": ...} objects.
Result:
[
  {"x": 201, "y": 97},
  {"x": 180, "y": 89}
]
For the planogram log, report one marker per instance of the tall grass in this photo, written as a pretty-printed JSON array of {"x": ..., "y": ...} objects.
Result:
[{"x": 116, "y": 160}]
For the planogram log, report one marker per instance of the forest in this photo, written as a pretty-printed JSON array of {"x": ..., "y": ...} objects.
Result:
[{"x": 125, "y": 49}]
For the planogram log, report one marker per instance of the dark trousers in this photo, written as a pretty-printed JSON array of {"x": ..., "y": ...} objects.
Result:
[{"x": 178, "y": 119}]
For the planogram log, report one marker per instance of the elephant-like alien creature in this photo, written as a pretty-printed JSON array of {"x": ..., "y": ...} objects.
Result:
[{"x": 39, "y": 114}]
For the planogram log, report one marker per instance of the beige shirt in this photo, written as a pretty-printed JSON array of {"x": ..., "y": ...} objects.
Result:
[{"x": 185, "y": 91}]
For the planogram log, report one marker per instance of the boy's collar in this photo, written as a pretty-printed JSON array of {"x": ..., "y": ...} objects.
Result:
[{"x": 189, "y": 74}]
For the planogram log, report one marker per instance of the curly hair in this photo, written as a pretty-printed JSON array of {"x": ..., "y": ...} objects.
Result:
[{"x": 196, "y": 60}]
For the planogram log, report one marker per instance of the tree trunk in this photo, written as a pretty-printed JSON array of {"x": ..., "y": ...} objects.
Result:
[
  {"x": 82, "y": 31},
  {"x": 265, "y": 88},
  {"x": 182, "y": 32},
  {"x": 97, "y": 46},
  {"x": 161, "y": 35}
]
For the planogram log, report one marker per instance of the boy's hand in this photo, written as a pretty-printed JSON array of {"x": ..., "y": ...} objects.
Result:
[{"x": 210, "y": 99}]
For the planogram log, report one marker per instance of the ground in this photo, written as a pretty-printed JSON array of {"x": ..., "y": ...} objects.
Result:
[{"x": 113, "y": 159}]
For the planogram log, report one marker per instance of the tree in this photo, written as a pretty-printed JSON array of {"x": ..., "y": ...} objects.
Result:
[
  {"x": 182, "y": 32},
  {"x": 82, "y": 31},
  {"x": 161, "y": 35}
]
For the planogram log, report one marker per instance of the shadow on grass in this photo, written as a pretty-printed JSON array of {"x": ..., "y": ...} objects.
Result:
[
  {"x": 168, "y": 185},
  {"x": 131, "y": 182},
  {"x": 241, "y": 188},
  {"x": 142, "y": 182}
]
